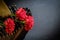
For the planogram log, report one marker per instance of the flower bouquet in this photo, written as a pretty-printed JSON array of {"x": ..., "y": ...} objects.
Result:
[{"x": 17, "y": 24}]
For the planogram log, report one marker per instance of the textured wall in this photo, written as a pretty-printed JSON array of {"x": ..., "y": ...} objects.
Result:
[{"x": 46, "y": 15}]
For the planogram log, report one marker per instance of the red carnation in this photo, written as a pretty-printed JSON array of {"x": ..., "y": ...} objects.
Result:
[
  {"x": 29, "y": 23},
  {"x": 21, "y": 14},
  {"x": 9, "y": 25}
]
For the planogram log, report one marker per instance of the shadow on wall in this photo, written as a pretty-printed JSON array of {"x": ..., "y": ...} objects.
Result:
[{"x": 46, "y": 15}]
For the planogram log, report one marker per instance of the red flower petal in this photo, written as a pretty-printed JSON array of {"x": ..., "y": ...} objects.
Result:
[
  {"x": 29, "y": 22},
  {"x": 9, "y": 25},
  {"x": 21, "y": 14}
]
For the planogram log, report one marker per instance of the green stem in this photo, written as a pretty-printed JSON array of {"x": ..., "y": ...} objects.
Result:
[{"x": 1, "y": 24}]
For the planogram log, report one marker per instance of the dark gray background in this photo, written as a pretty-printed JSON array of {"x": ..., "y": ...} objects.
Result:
[{"x": 46, "y": 17}]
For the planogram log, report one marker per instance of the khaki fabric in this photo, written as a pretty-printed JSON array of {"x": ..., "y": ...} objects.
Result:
[{"x": 4, "y": 10}]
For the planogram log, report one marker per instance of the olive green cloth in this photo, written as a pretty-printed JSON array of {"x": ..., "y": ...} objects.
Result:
[{"x": 4, "y": 10}]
